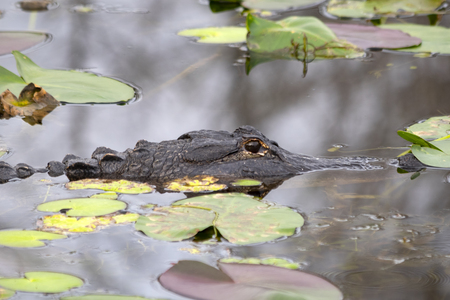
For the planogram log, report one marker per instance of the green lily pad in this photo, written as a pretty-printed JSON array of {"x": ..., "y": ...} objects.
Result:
[
  {"x": 238, "y": 217},
  {"x": 42, "y": 282},
  {"x": 272, "y": 261},
  {"x": 435, "y": 39},
  {"x": 21, "y": 40},
  {"x": 6, "y": 294},
  {"x": 118, "y": 186},
  {"x": 65, "y": 86},
  {"x": 246, "y": 182},
  {"x": 279, "y": 4},
  {"x": 433, "y": 157},
  {"x": 197, "y": 280},
  {"x": 376, "y": 8},
  {"x": 84, "y": 207},
  {"x": 107, "y": 297},
  {"x": 27, "y": 238},
  {"x": 433, "y": 128},
  {"x": 62, "y": 223},
  {"x": 294, "y": 38},
  {"x": 175, "y": 223},
  {"x": 217, "y": 35},
  {"x": 416, "y": 139}
]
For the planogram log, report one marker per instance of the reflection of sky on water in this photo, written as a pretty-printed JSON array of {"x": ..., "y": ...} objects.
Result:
[{"x": 187, "y": 86}]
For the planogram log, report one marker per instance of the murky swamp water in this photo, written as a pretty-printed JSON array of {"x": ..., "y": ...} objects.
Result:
[{"x": 375, "y": 234}]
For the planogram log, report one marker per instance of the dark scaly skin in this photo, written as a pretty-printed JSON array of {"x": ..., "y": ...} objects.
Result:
[{"x": 245, "y": 153}]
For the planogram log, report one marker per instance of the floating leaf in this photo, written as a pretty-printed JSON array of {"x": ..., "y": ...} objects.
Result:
[
  {"x": 243, "y": 281},
  {"x": 410, "y": 137},
  {"x": 175, "y": 223},
  {"x": 84, "y": 207},
  {"x": 246, "y": 182},
  {"x": 66, "y": 86},
  {"x": 62, "y": 223},
  {"x": 273, "y": 261},
  {"x": 435, "y": 39},
  {"x": 433, "y": 128},
  {"x": 26, "y": 238},
  {"x": 21, "y": 40},
  {"x": 294, "y": 38},
  {"x": 376, "y": 8},
  {"x": 118, "y": 186},
  {"x": 107, "y": 297},
  {"x": 217, "y": 35},
  {"x": 280, "y": 4},
  {"x": 196, "y": 184},
  {"x": 42, "y": 282},
  {"x": 373, "y": 37},
  {"x": 6, "y": 294},
  {"x": 240, "y": 219},
  {"x": 433, "y": 157},
  {"x": 244, "y": 220}
]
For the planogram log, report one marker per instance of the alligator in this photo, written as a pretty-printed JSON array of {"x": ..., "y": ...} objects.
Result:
[{"x": 245, "y": 153}]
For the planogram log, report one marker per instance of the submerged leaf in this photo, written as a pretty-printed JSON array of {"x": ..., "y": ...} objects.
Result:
[
  {"x": 107, "y": 297},
  {"x": 6, "y": 294},
  {"x": 42, "y": 282},
  {"x": 433, "y": 128},
  {"x": 84, "y": 207},
  {"x": 280, "y": 4},
  {"x": 369, "y": 9},
  {"x": 273, "y": 261},
  {"x": 435, "y": 39},
  {"x": 66, "y": 86},
  {"x": 243, "y": 281},
  {"x": 27, "y": 238},
  {"x": 246, "y": 182},
  {"x": 118, "y": 186},
  {"x": 373, "y": 37},
  {"x": 21, "y": 40},
  {"x": 217, "y": 35}
]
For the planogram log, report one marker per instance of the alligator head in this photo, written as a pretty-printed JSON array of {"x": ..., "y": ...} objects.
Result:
[{"x": 245, "y": 153}]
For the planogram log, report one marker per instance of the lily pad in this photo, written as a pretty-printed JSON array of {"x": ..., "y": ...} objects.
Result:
[
  {"x": 42, "y": 282},
  {"x": 27, "y": 238},
  {"x": 66, "y": 86},
  {"x": 196, "y": 184},
  {"x": 83, "y": 207},
  {"x": 273, "y": 261},
  {"x": 373, "y": 37},
  {"x": 6, "y": 294},
  {"x": 197, "y": 280},
  {"x": 280, "y": 4},
  {"x": 21, "y": 40},
  {"x": 107, "y": 297},
  {"x": 238, "y": 217},
  {"x": 217, "y": 35},
  {"x": 118, "y": 186},
  {"x": 433, "y": 128},
  {"x": 246, "y": 182},
  {"x": 433, "y": 157},
  {"x": 294, "y": 38},
  {"x": 435, "y": 39},
  {"x": 380, "y": 8},
  {"x": 175, "y": 223},
  {"x": 62, "y": 223}
]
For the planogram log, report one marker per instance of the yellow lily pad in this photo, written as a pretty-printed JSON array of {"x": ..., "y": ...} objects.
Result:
[
  {"x": 196, "y": 184},
  {"x": 273, "y": 261},
  {"x": 118, "y": 186},
  {"x": 62, "y": 223}
]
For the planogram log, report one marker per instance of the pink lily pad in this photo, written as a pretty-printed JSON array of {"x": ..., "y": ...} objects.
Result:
[
  {"x": 197, "y": 280},
  {"x": 373, "y": 37},
  {"x": 21, "y": 40}
]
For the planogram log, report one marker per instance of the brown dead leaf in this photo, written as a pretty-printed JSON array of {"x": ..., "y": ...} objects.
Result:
[{"x": 33, "y": 105}]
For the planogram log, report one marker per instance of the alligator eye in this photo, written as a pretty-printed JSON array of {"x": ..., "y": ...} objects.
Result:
[{"x": 253, "y": 146}]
